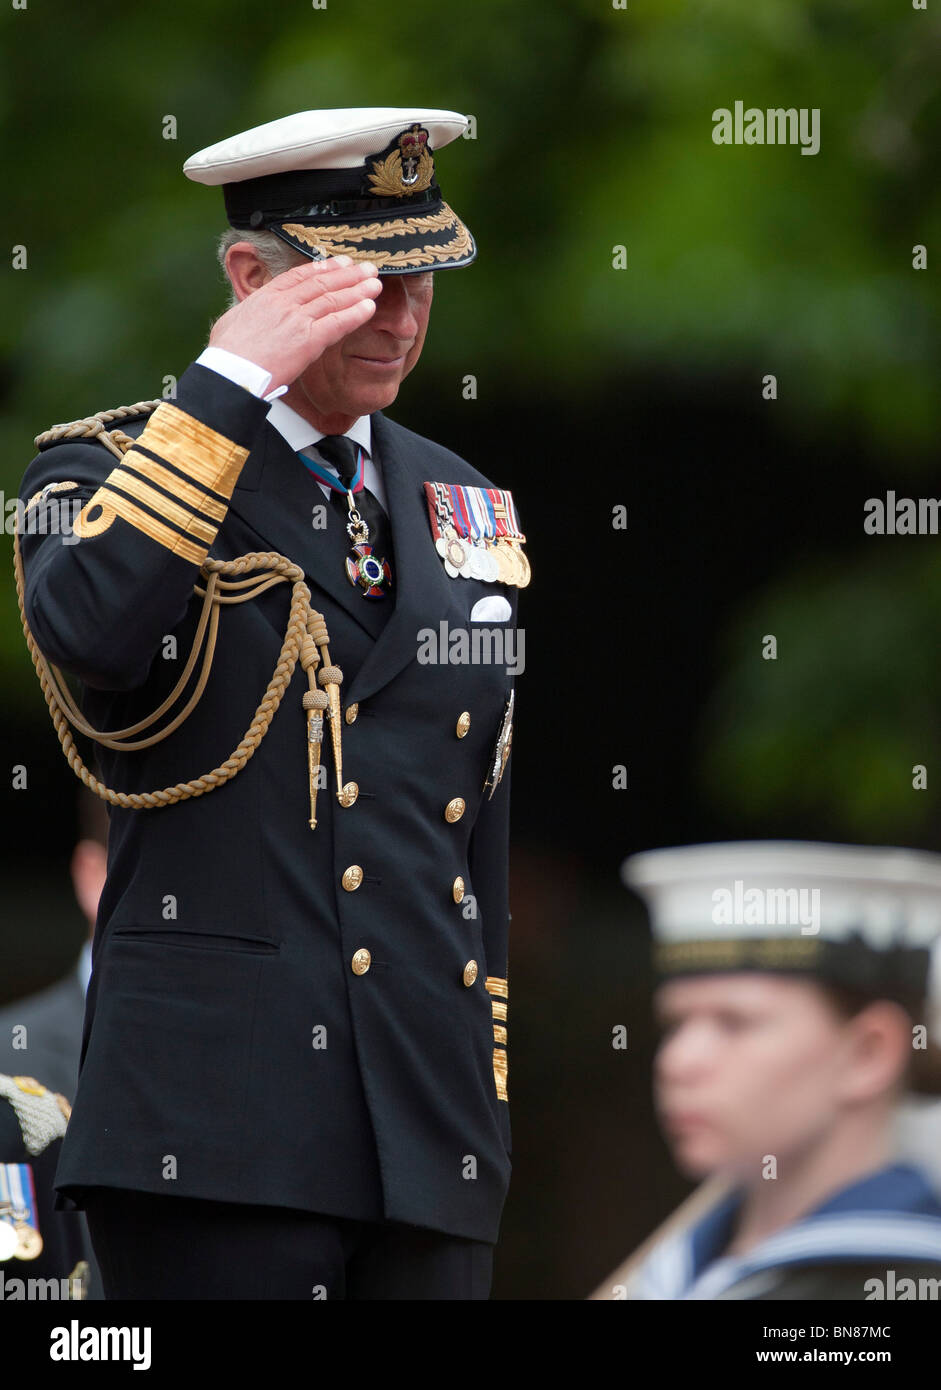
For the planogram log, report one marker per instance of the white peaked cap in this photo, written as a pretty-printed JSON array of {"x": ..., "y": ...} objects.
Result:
[
  {"x": 339, "y": 138},
  {"x": 355, "y": 181}
]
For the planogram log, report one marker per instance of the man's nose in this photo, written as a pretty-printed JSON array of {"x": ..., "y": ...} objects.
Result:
[
  {"x": 394, "y": 311},
  {"x": 682, "y": 1056}
]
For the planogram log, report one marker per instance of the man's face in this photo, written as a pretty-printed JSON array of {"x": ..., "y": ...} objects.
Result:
[
  {"x": 363, "y": 371},
  {"x": 749, "y": 1065}
]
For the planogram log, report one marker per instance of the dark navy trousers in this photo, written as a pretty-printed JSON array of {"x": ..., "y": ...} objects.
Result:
[{"x": 156, "y": 1246}]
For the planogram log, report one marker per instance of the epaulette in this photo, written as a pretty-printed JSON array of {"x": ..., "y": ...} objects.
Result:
[
  {"x": 42, "y": 1114},
  {"x": 90, "y": 427}
]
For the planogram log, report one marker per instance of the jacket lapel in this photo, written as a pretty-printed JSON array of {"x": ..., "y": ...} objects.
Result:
[
  {"x": 422, "y": 593},
  {"x": 275, "y": 497}
]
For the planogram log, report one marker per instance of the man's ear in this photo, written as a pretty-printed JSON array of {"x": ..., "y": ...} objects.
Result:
[
  {"x": 245, "y": 270},
  {"x": 880, "y": 1043}
]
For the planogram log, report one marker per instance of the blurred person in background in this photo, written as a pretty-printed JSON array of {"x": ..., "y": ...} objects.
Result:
[
  {"x": 40, "y": 1046},
  {"x": 37, "y": 1242},
  {"x": 793, "y": 1005},
  {"x": 42, "y": 1033}
]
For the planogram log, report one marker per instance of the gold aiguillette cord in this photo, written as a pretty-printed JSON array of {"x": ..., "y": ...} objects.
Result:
[
  {"x": 316, "y": 702},
  {"x": 306, "y": 631}
]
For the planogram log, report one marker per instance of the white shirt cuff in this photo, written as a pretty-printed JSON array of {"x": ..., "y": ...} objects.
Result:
[{"x": 237, "y": 369}]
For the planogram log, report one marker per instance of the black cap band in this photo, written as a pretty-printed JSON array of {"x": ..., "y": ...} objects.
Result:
[
  {"x": 899, "y": 973},
  {"x": 315, "y": 196}
]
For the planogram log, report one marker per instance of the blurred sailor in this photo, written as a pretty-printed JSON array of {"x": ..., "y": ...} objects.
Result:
[{"x": 793, "y": 1003}]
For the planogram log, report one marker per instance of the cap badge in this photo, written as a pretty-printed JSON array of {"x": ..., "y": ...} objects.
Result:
[{"x": 407, "y": 168}]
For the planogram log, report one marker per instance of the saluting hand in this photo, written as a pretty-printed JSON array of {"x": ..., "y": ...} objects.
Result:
[{"x": 290, "y": 321}]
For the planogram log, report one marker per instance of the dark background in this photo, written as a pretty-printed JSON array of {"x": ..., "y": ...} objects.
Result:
[{"x": 596, "y": 388}]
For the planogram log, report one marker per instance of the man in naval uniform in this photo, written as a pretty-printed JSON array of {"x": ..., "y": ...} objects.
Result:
[
  {"x": 294, "y": 1077},
  {"x": 796, "y": 1012}
]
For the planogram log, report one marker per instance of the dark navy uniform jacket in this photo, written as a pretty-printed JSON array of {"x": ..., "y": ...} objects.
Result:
[{"x": 225, "y": 937}]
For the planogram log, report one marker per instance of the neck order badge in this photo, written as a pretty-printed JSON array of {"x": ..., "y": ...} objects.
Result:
[{"x": 364, "y": 567}]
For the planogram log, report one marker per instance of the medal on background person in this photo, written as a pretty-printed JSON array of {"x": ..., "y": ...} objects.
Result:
[
  {"x": 19, "y": 1226},
  {"x": 8, "y": 1234}
]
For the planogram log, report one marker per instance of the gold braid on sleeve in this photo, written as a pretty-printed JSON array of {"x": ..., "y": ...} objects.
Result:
[{"x": 226, "y": 581}]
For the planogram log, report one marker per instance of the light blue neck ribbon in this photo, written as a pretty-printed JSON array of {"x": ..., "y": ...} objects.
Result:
[{"x": 329, "y": 478}]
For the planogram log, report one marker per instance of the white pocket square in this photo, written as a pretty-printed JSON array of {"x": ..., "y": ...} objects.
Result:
[{"x": 492, "y": 609}]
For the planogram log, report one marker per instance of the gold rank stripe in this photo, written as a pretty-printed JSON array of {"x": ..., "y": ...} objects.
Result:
[
  {"x": 496, "y": 985},
  {"x": 499, "y": 1033},
  {"x": 158, "y": 502},
  {"x": 174, "y": 484},
  {"x": 499, "y": 1009},
  {"x": 500, "y": 1072},
  {"x": 203, "y": 455},
  {"x": 114, "y": 504},
  {"x": 208, "y": 461}
]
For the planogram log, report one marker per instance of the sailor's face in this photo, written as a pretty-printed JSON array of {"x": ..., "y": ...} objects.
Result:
[
  {"x": 750, "y": 1067},
  {"x": 363, "y": 371}
]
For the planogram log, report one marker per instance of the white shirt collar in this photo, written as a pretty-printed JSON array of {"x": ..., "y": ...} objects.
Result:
[{"x": 301, "y": 434}]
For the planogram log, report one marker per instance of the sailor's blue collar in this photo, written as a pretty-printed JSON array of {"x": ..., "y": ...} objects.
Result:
[{"x": 898, "y": 1189}]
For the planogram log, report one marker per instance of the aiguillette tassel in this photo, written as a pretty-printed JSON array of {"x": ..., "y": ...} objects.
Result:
[{"x": 315, "y": 702}]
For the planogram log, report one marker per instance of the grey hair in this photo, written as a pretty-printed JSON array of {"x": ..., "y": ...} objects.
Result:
[{"x": 273, "y": 253}]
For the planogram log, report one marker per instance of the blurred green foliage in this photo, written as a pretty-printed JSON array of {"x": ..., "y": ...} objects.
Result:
[{"x": 834, "y": 728}]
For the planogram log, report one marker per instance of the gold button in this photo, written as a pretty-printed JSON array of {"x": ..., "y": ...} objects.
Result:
[
  {"x": 352, "y": 878},
  {"x": 361, "y": 961},
  {"x": 349, "y": 794},
  {"x": 463, "y": 724},
  {"x": 351, "y": 712},
  {"x": 470, "y": 973},
  {"x": 454, "y": 809},
  {"x": 457, "y": 889}
]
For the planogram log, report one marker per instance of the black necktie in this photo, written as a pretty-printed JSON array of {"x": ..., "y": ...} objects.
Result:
[{"x": 341, "y": 452}]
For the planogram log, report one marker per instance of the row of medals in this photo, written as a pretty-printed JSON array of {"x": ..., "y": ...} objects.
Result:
[{"x": 501, "y": 561}]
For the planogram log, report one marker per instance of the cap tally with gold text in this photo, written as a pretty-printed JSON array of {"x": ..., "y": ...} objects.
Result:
[{"x": 352, "y": 181}]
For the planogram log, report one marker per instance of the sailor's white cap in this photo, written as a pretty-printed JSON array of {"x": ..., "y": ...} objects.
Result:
[{"x": 863, "y": 917}]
